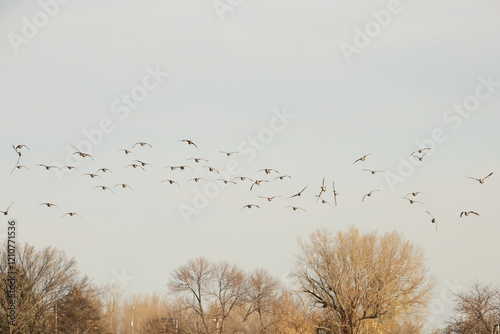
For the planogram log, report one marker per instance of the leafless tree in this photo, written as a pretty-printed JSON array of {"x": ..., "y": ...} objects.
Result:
[
  {"x": 357, "y": 277},
  {"x": 477, "y": 310}
]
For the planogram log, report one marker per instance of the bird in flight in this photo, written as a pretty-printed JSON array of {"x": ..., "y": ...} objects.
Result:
[
  {"x": 123, "y": 185},
  {"x": 411, "y": 200},
  {"x": 422, "y": 156},
  {"x": 105, "y": 188},
  {"x": 126, "y": 151},
  {"x": 323, "y": 189},
  {"x": 197, "y": 160},
  {"x": 179, "y": 167},
  {"x": 415, "y": 193},
  {"x": 92, "y": 175},
  {"x": 49, "y": 205},
  {"x": 82, "y": 154},
  {"x": 250, "y": 206},
  {"x": 6, "y": 212},
  {"x": 373, "y": 171},
  {"x": 323, "y": 201},
  {"x": 48, "y": 167},
  {"x": 190, "y": 142},
  {"x": 228, "y": 153},
  {"x": 226, "y": 181},
  {"x": 363, "y": 158},
  {"x": 71, "y": 214},
  {"x": 142, "y": 144},
  {"x": 170, "y": 181},
  {"x": 257, "y": 182},
  {"x": 420, "y": 151},
  {"x": 104, "y": 170},
  {"x": 142, "y": 163},
  {"x": 196, "y": 179},
  {"x": 282, "y": 177},
  {"x": 299, "y": 193},
  {"x": 19, "y": 147},
  {"x": 243, "y": 178},
  {"x": 295, "y": 208},
  {"x": 467, "y": 213},
  {"x": 368, "y": 195},
  {"x": 481, "y": 180},
  {"x": 19, "y": 167},
  {"x": 433, "y": 220},
  {"x": 335, "y": 193},
  {"x": 211, "y": 169},
  {"x": 135, "y": 166},
  {"x": 269, "y": 198},
  {"x": 69, "y": 167},
  {"x": 267, "y": 170}
]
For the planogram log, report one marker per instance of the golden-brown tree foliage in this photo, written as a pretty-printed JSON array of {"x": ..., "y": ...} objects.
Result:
[{"x": 360, "y": 277}]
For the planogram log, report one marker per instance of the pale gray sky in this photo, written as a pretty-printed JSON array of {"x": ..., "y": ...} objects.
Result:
[{"x": 226, "y": 80}]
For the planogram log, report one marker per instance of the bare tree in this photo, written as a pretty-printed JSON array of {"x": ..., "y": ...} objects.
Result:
[
  {"x": 263, "y": 290},
  {"x": 358, "y": 277},
  {"x": 477, "y": 310}
]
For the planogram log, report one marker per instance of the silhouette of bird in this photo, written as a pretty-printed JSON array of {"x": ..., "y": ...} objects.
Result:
[
  {"x": 421, "y": 157},
  {"x": 250, "y": 206},
  {"x": 71, "y": 214},
  {"x": 104, "y": 170},
  {"x": 19, "y": 167},
  {"x": 48, "y": 167},
  {"x": 228, "y": 153},
  {"x": 142, "y": 144},
  {"x": 363, "y": 158},
  {"x": 82, "y": 154},
  {"x": 323, "y": 189},
  {"x": 282, "y": 177},
  {"x": 481, "y": 180},
  {"x": 226, "y": 181},
  {"x": 142, "y": 163},
  {"x": 190, "y": 142},
  {"x": 197, "y": 160},
  {"x": 6, "y": 212},
  {"x": 335, "y": 193},
  {"x": 183, "y": 167},
  {"x": 105, "y": 188},
  {"x": 19, "y": 154},
  {"x": 135, "y": 166},
  {"x": 267, "y": 170},
  {"x": 368, "y": 195},
  {"x": 299, "y": 193},
  {"x": 257, "y": 182},
  {"x": 411, "y": 200},
  {"x": 69, "y": 167},
  {"x": 170, "y": 181},
  {"x": 420, "y": 151},
  {"x": 196, "y": 179},
  {"x": 295, "y": 208},
  {"x": 212, "y": 169},
  {"x": 127, "y": 151},
  {"x": 467, "y": 213},
  {"x": 243, "y": 178},
  {"x": 19, "y": 147},
  {"x": 269, "y": 198},
  {"x": 92, "y": 175},
  {"x": 433, "y": 220},
  {"x": 373, "y": 171},
  {"x": 49, "y": 205},
  {"x": 415, "y": 193},
  {"x": 123, "y": 185},
  {"x": 323, "y": 201}
]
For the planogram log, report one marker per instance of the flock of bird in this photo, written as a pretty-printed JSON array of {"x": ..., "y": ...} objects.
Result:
[{"x": 272, "y": 176}]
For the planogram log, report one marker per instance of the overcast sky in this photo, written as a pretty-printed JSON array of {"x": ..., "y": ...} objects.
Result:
[{"x": 304, "y": 87}]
